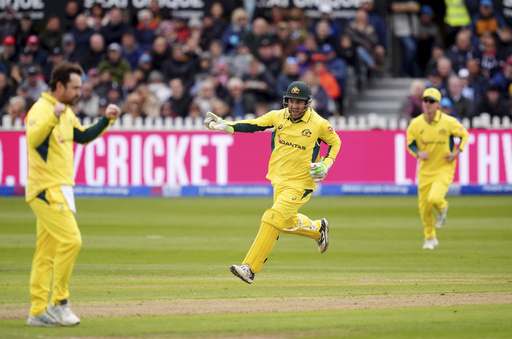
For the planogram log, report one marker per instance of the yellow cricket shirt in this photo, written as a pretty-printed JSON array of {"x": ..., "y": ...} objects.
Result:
[
  {"x": 50, "y": 144},
  {"x": 438, "y": 139},
  {"x": 295, "y": 145}
]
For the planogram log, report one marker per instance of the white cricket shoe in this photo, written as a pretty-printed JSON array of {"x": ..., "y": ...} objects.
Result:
[
  {"x": 243, "y": 272},
  {"x": 323, "y": 241},
  {"x": 430, "y": 244},
  {"x": 441, "y": 217},
  {"x": 44, "y": 319},
  {"x": 63, "y": 314}
]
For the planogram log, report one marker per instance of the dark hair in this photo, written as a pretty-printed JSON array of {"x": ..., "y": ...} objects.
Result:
[{"x": 62, "y": 73}]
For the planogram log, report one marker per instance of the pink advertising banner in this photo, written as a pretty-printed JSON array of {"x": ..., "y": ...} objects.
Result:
[{"x": 211, "y": 158}]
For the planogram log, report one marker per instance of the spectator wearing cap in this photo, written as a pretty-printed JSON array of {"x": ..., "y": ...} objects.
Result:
[
  {"x": 447, "y": 108},
  {"x": 9, "y": 55},
  {"x": 326, "y": 79},
  {"x": 405, "y": 23},
  {"x": 259, "y": 32},
  {"x": 284, "y": 41},
  {"x": 335, "y": 28},
  {"x": 179, "y": 66},
  {"x": 88, "y": 102},
  {"x": 113, "y": 31},
  {"x": 268, "y": 58},
  {"x": 462, "y": 105},
  {"x": 492, "y": 103},
  {"x": 51, "y": 37},
  {"x": 69, "y": 49},
  {"x": 180, "y": 100},
  {"x": 487, "y": 20},
  {"x": 235, "y": 30},
  {"x": 131, "y": 49},
  {"x": 337, "y": 67},
  {"x": 145, "y": 30},
  {"x": 26, "y": 29},
  {"x": 365, "y": 38},
  {"x": 26, "y": 58},
  {"x": 144, "y": 66},
  {"x": 115, "y": 62},
  {"x": 461, "y": 50},
  {"x": 33, "y": 86},
  {"x": 40, "y": 55},
  {"x": 56, "y": 57},
  {"x": 303, "y": 55},
  {"x": 428, "y": 36},
  {"x": 82, "y": 34},
  {"x": 96, "y": 52},
  {"x": 9, "y": 25},
  {"x": 291, "y": 73}
]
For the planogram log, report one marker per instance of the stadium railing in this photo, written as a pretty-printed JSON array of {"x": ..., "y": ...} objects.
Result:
[{"x": 364, "y": 122}]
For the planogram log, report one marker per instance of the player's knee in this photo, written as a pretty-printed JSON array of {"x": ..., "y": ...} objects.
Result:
[
  {"x": 273, "y": 218},
  {"x": 434, "y": 200}
]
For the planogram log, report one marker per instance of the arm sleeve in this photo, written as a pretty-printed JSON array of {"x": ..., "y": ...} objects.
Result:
[
  {"x": 254, "y": 125},
  {"x": 412, "y": 147},
  {"x": 84, "y": 135},
  {"x": 39, "y": 127},
  {"x": 458, "y": 130},
  {"x": 329, "y": 136}
]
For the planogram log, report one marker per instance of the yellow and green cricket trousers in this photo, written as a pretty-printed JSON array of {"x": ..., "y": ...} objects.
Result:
[
  {"x": 57, "y": 245},
  {"x": 282, "y": 217},
  {"x": 431, "y": 197}
]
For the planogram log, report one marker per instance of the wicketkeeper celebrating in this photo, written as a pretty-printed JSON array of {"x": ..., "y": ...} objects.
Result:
[
  {"x": 52, "y": 127},
  {"x": 294, "y": 169}
]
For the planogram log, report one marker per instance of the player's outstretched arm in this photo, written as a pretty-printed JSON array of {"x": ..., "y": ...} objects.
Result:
[{"x": 215, "y": 123}]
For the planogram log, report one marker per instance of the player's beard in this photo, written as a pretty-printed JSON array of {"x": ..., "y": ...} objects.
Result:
[{"x": 71, "y": 101}]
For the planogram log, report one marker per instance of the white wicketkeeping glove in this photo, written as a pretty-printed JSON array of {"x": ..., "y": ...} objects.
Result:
[
  {"x": 214, "y": 123},
  {"x": 319, "y": 170}
]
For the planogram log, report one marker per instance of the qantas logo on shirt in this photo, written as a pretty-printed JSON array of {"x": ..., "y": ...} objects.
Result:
[{"x": 282, "y": 142}]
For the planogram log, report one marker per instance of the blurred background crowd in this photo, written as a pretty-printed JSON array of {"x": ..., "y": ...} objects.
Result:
[{"x": 236, "y": 59}]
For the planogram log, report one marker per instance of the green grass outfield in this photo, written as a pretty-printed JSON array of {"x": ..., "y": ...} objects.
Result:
[{"x": 159, "y": 268}]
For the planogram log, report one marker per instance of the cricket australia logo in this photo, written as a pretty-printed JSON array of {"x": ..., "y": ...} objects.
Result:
[
  {"x": 442, "y": 131},
  {"x": 306, "y": 133},
  {"x": 295, "y": 90}
]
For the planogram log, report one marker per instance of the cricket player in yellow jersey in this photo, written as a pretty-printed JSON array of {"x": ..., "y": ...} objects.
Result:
[
  {"x": 52, "y": 127},
  {"x": 430, "y": 138},
  {"x": 294, "y": 169}
]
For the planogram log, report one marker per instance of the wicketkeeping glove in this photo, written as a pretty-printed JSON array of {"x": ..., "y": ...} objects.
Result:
[
  {"x": 214, "y": 123},
  {"x": 320, "y": 169}
]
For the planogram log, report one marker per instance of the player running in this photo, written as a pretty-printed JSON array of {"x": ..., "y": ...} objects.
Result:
[
  {"x": 294, "y": 169},
  {"x": 430, "y": 139}
]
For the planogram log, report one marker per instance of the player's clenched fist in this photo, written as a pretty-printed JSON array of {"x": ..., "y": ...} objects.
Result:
[
  {"x": 58, "y": 109},
  {"x": 112, "y": 111}
]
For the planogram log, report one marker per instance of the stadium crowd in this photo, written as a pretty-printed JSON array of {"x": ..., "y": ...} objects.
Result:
[{"x": 235, "y": 60}]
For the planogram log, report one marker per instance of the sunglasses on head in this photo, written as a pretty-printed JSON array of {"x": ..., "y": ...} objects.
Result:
[{"x": 430, "y": 101}]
